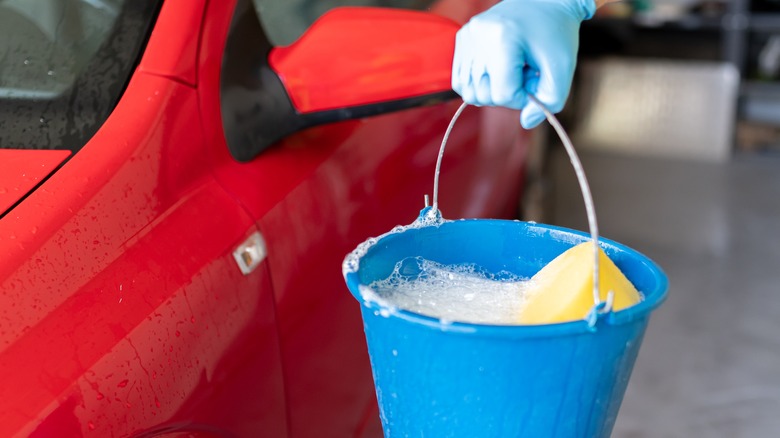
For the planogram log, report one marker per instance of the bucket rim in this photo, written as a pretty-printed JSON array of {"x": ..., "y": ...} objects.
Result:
[{"x": 652, "y": 299}]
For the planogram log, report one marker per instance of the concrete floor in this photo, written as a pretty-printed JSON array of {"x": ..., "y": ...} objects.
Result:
[{"x": 710, "y": 362}]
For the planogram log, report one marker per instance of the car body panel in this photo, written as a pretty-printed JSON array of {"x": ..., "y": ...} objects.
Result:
[
  {"x": 128, "y": 308},
  {"x": 331, "y": 217},
  {"x": 172, "y": 50},
  {"x": 123, "y": 312},
  {"x": 335, "y": 185},
  {"x": 22, "y": 169}
]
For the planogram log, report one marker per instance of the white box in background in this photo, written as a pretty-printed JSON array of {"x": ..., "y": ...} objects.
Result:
[{"x": 663, "y": 108}]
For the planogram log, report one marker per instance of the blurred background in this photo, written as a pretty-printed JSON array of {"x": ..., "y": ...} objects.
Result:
[{"x": 676, "y": 112}]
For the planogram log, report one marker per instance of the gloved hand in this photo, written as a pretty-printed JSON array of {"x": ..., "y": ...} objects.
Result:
[{"x": 519, "y": 47}]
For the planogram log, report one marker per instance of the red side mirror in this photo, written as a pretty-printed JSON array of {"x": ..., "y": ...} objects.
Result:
[
  {"x": 357, "y": 56},
  {"x": 351, "y": 63}
]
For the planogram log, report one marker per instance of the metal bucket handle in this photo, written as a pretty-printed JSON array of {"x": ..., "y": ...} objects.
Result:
[{"x": 599, "y": 307}]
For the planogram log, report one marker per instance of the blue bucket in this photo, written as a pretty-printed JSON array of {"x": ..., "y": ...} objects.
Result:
[{"x": 439, "y": 379}]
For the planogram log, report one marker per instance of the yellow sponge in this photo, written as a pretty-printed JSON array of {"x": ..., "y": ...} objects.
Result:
[{"x": 563, "y": 290}]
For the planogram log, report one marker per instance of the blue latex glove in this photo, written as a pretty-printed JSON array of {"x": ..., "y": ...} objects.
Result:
[{"x": 519, "y": 47}]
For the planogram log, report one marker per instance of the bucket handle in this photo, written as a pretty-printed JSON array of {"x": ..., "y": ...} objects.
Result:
[{"x": 599, "y": 307}]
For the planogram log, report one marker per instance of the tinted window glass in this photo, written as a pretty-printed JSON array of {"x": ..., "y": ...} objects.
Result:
[
  {"x": 285, "y": 20},
  {"x": 64, "y": 65}
]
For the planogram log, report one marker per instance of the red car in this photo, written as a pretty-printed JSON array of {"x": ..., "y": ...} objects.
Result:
[{"x": 179, "y": 186}]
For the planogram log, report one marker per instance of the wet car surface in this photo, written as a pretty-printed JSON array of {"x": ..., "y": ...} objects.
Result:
[{"x": 165, "y": 269}]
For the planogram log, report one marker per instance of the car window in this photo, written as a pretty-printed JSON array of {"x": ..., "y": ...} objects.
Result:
[
  {"x": 286, "y": 20},
  {"x": 64, "y": 65}
]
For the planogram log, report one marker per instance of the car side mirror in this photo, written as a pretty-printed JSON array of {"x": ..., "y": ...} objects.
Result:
[
  {"x": 353, "y": 57},
  {"x": 353, "y": 62}
]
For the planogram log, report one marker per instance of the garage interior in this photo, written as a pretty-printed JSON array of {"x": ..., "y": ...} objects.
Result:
[{"x": 676, "y": 113}]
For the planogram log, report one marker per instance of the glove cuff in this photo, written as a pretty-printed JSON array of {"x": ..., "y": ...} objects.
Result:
[{"x": 579, "y": 9}]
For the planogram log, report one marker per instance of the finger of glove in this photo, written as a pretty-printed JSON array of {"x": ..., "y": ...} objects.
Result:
[
  {"x": 532, "y": 115},
  {"x": 555, "y": 67},
  {"x": 461, "y": 62},
  {"x": 556, "y": 70},
  {"x": 505, "y": 70},
  {"x": 482, "y": 90},
  {"x": 480, "y": 78},
  {"x": 467, "y": 82}
]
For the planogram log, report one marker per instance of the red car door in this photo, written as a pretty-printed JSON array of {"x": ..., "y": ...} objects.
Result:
[
  {"x": 123, "y": 310},
  {"x": 126, "y": 306},
  {"x": 319, "y": 192}
]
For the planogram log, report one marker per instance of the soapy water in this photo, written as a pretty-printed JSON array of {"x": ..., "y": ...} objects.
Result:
[
  {"x": 351, "y": 263},
  {"x": 461, "y": 293}
]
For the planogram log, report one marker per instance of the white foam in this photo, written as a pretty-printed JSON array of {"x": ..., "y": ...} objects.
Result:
[
  {"x": 351, "y": 262},
  {"x": 451, "y": 293}
]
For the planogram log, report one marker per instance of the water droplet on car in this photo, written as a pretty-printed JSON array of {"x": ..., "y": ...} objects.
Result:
[{"x": 122, "y": 384}]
